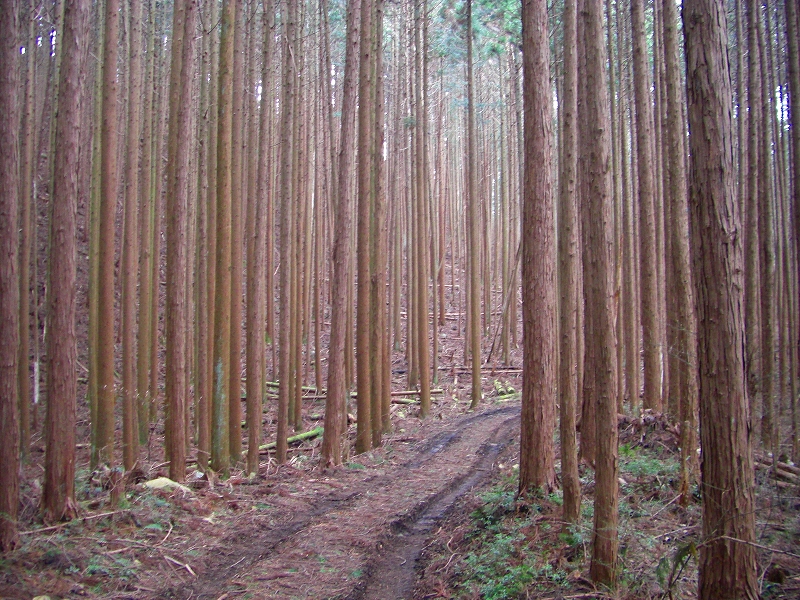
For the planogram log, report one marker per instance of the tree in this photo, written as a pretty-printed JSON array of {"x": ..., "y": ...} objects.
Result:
[
  {"x": 686, "y": 325},
  {"x": 538, "y": 260},
  {"x": 473, "y": 236},
  {"x": 9, "y": 273},
  {"x": 335, "y": 401},
  {"x": 130, "y": 251},
  {"x": 237, "y": 201},
  {"x": 647, "y": 229},
  {"x": 599, "y": 290},
  {"x": 220, "y": 448},
  {"x": 364, "y": 314},
  {"x": 58, "y": 494},
  {"x": 567, "y": 276},
  {"x": 256, "y": 255},
  {"x": 727, "y": 555},
  {"x": 289, "y": 80},
  {"x": 176, "y": 390},
  {"x": 108, "y": 203}
]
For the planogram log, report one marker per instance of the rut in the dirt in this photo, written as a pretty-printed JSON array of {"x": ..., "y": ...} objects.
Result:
[
  {"x": 392, "y": 574},
  {"x": 354, "y": 545}
]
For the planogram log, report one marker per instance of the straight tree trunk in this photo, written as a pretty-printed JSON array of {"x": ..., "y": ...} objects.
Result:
[
  {"x": 364, "y": 315},
  {"x": 176, "y": 388},
  {"x": 677, "y": 200},
  {"x": 727, "y": 556},
  {"x": 567, "y": 259},
  {"x": 647, "y": 233},
  {"x": 537, "y": 454},
  {"x": 237, "y": 261},
  {"x": 9, "y": 272},
  {"x": 473, "y": 231},
  {"x": 792, "y": 33},
  {"x": 144, "y": 359},
  {"x": 256, "y": 255},
  {"x": 751, "y": 227},
  {"x": 58, "y": 494},
  {"x": 106, "y": 395},
  {"x": 27, "y": 240},
  {"x": 220, "y": 444},
  {"x": 336, "y": 401},
  {"x": 289, "y": 79},
  {"x": 600, "y": 299},
  {"x": 130, "y": 251},
  {"x": 766, "y": 250}
]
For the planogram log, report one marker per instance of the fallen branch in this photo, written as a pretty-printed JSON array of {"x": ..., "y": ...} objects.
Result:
[
  {"x": 64, "y": 524},
  {"x": 754, "y": 545},
  {"x": 306, "y": 435},
  {"x": 180, "y": 564}
]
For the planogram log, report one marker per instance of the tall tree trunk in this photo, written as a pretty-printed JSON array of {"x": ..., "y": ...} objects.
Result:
[
  {"x": 108, "y": 203},
  {"x": 792, "y": 33},
  {"x": 647, "y": 233},
  {"x": 567, "y": 258},
  {"x": 751, "y": 229},
  {"x": 473, "y": 235},
  {"x": 130, "y": 251},
  {"x": 364, "y": 309},
  {"x": 58, "y": 495},
  {"x": 600, "y": 298},
  {"x": 727, "y": 558},
  {"x": 537, "y": 454},
  {"x": 27, "y": 242},
  {"x": 178, "y": 146},
  {"x": 9, "y": 272},
  {"x": 766, "y": 251},
  {"x": 686, "y": 327},
  {"x": 220, "y": 444},
  {"x": 285, "y": 244},
  {"x": 336, "y": 401},
  {"x": 237, "y": 262},
  {"x": 256, "y": 250}
]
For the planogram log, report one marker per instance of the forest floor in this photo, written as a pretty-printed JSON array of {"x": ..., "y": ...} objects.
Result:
[{"x": 432, "y": 513}]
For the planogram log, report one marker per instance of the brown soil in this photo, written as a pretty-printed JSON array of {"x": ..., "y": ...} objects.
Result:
[{"x": 293, "y": 532}]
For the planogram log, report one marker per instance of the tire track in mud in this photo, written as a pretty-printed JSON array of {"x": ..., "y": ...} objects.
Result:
[{"x": 362, "y": 543}]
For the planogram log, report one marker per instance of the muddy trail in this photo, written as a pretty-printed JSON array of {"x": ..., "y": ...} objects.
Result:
[{"x": 352, "y": 533}]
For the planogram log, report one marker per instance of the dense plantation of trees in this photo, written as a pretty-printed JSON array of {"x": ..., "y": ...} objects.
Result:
[{"x": 236, "y": 202}]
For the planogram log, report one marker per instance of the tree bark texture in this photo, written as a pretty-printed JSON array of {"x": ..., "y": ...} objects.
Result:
[
  {"x": 600, "y": 298},
  {"x": 727, "y": 560},
  {"x": 9, "y": 273},
  {"x": 537, "y": 454}
]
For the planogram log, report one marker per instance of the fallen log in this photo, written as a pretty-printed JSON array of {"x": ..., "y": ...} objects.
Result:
[{"x": 306, "y": 435}]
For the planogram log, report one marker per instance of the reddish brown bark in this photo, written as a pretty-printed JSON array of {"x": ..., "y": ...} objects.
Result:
[
  {"x": 9, "y": 274},
  {"x": 727, "y": 556},
  {"x": 537, "y": 455}
]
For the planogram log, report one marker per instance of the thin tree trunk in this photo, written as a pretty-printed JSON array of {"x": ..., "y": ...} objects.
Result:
[
  {"x": 473, "y": 225},
  {"x": 130, "y": 252},
  {"x": 600, "y": 299},
  {"x": 237, "y": 262},
  {"x": 647, "y": 233},
  {"x": 567, "y": 258},
  {"x": 686, "y": 326}
]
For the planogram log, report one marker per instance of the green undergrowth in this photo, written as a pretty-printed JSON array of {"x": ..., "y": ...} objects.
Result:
[
  {"x": 515, "y": 549},
  {"x": 510, "y": 549}
]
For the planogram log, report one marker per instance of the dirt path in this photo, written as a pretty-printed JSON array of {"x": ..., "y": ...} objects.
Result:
[{"x": 357, "y": 534}]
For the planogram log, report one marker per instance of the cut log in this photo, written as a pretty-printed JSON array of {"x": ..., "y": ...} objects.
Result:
[{"x": 306, "y": 435}]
